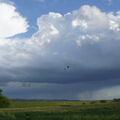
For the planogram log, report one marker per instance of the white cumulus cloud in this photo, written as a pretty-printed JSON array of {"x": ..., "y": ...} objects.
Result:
[
  {"x": 64, "y": 33},
  {"x": 11, "y": 22}
]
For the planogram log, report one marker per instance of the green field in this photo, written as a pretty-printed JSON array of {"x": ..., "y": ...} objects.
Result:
[{"x": 62, "y": 110}]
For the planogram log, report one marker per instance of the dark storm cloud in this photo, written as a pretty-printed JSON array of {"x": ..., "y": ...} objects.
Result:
[
  {"x": 51, "y": 75},
  {"x": 97, "y": 62}
]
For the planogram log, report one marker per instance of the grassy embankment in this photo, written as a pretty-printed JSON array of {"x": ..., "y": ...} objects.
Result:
[{"x": 62, "y": 110}]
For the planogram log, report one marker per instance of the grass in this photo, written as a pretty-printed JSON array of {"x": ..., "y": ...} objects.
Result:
[{"x": 62, "y": 110}]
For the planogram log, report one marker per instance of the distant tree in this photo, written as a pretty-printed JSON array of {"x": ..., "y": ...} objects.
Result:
[
  {"x": 83, "y": 103},
  {"x": 103, "y": 101},
  {"x": 116, "y": 100},
  {"x": 0, "y": 91},
  {"x": 4, "y": 101}
]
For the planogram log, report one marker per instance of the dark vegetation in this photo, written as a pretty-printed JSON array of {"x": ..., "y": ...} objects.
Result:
[
  {"x": 116, "y": 100},
  {"x": 7, "y": 116},
  {"x": 4, "y": 101},
  {"x": 62, "y": 110}
]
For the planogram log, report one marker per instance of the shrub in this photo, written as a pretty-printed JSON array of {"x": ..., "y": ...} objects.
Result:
[
  {"x": 83, "y": 103},
  {"x": 103, "y": 101},
  {"x": 4, "y": 101}
]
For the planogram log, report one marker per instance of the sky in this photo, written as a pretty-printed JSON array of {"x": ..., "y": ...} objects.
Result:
[{"x": 39, "y": 38}]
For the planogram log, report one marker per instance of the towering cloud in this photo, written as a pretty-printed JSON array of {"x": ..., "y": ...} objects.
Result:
[
  {"x": 86, "y": 36},
  {"x": 87, "y": 39}
]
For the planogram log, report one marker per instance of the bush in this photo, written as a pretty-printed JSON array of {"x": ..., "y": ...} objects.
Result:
[
  {"x": 4, "y": 102},
  {"x": 83, "y": 103},
  {"x": 103, "y": 101}
]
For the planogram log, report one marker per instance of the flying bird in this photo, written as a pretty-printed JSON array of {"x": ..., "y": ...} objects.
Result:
[{"x": 67, "y": 67}]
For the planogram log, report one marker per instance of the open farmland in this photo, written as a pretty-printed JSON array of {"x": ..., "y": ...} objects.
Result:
[{"x": 62, "y": 110}]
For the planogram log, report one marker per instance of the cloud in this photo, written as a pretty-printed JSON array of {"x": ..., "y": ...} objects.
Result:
[
  {"x": 104, "y": 93},
  {"x": 11, "y": 22},
  {"x": 78, "y": 91},
  {"x": 80, "y": 25},
  {"x": 86, "y": 36},
  {"x": 87, "y": 39}
]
